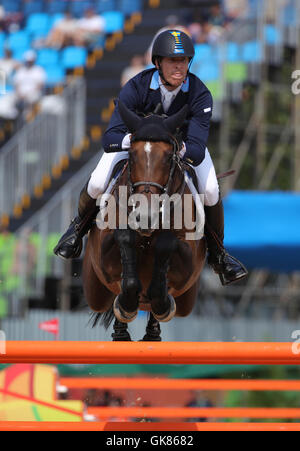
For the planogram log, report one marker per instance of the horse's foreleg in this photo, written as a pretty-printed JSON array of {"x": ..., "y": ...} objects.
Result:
[
  {"x": 162, "y": 304},
  {"x": 120, "y": 332},
  {"x": 152, "y": 330},
  {"x": 126, "y": 304}
]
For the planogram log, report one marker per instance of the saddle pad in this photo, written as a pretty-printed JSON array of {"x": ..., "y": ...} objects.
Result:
[
  {"x": 199, "y": 200},
  {"x": 115, "y": 176}
]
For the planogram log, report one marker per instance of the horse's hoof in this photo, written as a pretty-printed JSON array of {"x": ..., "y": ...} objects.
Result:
[
  {"x": 148, "y": 338},
  {"x": 170, "y": 314},
  {"x": 121, "y": 315},
  {"x": 126, "y": 337}
]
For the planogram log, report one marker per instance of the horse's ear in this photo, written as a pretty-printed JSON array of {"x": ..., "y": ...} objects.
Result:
[
  {"x": 130, "y": 119},
  {"x": 173, "y": 122}
]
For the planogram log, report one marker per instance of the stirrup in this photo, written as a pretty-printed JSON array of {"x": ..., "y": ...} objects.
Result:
[{"x": 228, "y": 276}]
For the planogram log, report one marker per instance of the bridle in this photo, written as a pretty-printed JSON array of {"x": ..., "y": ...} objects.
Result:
[{"x": 176, "y": 162}]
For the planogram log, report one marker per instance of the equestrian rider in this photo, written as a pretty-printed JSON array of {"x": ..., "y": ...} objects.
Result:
[{"x": 171, "y": 84}]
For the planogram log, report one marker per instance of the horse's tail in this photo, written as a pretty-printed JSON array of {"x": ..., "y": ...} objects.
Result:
[{"x": 105, "y": 319}]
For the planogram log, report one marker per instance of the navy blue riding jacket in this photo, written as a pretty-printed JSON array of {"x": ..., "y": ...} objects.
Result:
[{"x": 142, "y": 94}]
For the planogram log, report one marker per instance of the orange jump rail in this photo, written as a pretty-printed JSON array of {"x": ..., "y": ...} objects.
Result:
[
  {"x": 192, "y": 412},
  {"x": 155, "y": 427},
  {"x": 126, "y": 383},
  {"x": 149, "y": 353}
]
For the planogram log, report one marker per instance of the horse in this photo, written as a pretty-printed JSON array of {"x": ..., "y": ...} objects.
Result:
[{"x": 147, "y": 267}]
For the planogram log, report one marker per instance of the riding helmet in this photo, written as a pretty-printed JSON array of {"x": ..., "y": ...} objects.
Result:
[{"x": 172, "y": 43}]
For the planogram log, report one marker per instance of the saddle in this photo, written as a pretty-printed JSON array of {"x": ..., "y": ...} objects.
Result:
[
  {"x": 117, "y": 172},
  {"x": 192, "y": 175}
]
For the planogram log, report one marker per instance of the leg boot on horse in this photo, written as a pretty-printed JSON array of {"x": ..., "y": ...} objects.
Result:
[
  {"x": 162, "y": 304},
  {"x": 127, "y": 303},
  {"x": 120, "y": 332},
  {"x": 152, "y": 330},
  {"x": 227, "y": 267},
  {"x": 70, "y": 244}
]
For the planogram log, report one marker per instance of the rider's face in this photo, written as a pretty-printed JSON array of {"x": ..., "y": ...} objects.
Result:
[{"x": 174, "y": 70}]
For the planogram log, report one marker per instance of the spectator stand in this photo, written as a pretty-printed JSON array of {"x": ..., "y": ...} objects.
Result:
[{"x": 39, "y": 18}]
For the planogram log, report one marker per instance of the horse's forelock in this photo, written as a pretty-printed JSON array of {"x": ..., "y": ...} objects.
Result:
[{"x": 152, "y": 128}]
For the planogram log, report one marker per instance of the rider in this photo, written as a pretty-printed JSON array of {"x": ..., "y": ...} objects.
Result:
[{"x": 171, "y": 84}]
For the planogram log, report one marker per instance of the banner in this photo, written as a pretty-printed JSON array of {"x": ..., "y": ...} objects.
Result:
[{"x": 51, "y": 326}]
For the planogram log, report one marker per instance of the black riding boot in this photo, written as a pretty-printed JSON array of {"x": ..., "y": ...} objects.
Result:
[
  {"x": 70, "y": 244},
  {"x": 229, "y": 268}
]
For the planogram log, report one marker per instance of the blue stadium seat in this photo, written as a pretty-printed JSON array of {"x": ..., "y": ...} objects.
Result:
[
  {"x": 289, "y": 15},
  {"x": 2, "y": 39},
  {"x": 18, "y": 54},
  {"x": 18, "y": 40},
  {"x": 38, "y": 24},
  {"x": 272, "y": 35},
  {"x": 55, "y": 75},
  {"x": 128, "y": 7},
  {"x": 54, "y": 19},
  {"x": 48, "y": 57},
  {"x": 105, "y": 5},
  {"x": 57, "y": 6},
  {"x": 9, "y": 88},
  {"x": 100, "y": 43},
  {"x": 209, "y": 72},
  {"x": 114, "y": 21},
  {"x": 203, "y": 52},
  {"x": 73, "y": 57},
  {"x": 233, "y": 52},
  {"x": 33, "y": 6},
  {"x": 12, "y": 6},
  {"x": 78, "y": 7},
  {"x": 254, "y": 6},
  {"x": 252, "y": 52}
]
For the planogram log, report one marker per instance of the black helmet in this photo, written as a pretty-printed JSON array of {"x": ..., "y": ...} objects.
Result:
[{"x": 172, "y": 43}]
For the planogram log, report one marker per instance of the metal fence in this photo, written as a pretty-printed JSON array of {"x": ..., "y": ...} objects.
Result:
[
  {"x": 38, "y": 236},
  {"x": 40, "y": 145},
  {"x": 75, "y": 326}
]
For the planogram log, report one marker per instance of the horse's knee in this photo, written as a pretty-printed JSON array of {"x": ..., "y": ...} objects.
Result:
[
  {"x": 166, "y": 245},
  {"x": 131, "y": 286}
]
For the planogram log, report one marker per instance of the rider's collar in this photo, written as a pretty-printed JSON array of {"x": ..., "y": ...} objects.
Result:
[{"x": 155, "y": 83}]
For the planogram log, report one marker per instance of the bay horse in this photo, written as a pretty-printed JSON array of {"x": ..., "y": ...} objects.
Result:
[{"x": 157, "y": 269}]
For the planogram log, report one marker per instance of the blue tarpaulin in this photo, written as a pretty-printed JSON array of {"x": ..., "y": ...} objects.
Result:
[{"x": 263, "y": 229}]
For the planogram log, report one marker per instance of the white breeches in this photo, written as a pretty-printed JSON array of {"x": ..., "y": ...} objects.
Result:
[{"x": 206, "y": 175}]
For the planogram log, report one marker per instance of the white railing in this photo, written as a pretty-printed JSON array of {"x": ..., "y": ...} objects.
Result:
[
  {"x": 74, "y": 327},
  {"x": 33, "y": 152},
  {"x": 38, "y": 236}
]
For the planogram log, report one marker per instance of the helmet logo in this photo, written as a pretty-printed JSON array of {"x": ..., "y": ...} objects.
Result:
[{"x": 178, "y": 43}]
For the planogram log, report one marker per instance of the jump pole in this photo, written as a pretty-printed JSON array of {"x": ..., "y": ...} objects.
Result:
[
  {"x": 147, "y": 383},
  {"x": 81, "y": 352},
  {"x": 155, "y": 427}
]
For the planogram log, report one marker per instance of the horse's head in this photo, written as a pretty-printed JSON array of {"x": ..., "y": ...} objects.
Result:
[{"x": 153, "y": 153}]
